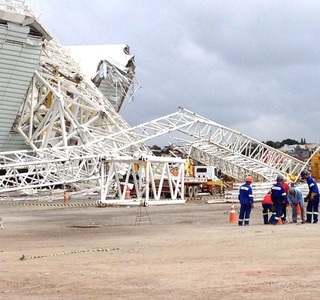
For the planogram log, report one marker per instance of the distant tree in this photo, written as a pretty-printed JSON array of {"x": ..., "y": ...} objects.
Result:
[
  {"x": 270, "y": 143},
  {"x": 277, "y": 145},
  {"x": 165, "y": 150},
  {"x": 289, "y": 142},
  {"x": 155, "y": 147}
]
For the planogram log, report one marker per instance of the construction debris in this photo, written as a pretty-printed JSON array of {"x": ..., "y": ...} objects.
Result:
[{"x": 64, "y": 129}]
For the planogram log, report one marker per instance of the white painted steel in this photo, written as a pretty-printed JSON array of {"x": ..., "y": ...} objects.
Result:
[
  {"x": 74, "y": 131},
  {"x": 213, "y": 144},
  {"x": 147, "y": 181}
]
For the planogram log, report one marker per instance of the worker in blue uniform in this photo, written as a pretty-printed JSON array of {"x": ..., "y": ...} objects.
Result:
[
  {"x": 278, "y": 196},
  {"x": 312, "y": 198},
  {"x": 246, "y": 201}
]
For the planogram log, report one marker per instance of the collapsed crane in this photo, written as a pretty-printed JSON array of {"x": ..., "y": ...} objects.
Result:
[
  {"x": 54, "y": 133},
  {"x": 61, "y": 129}
]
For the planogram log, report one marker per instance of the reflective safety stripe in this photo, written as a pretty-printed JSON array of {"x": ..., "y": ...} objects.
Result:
[
  {"x": 265, "y": 214},
  {"x": 247, "y": 220},
  {"x": 240, "y": 220},
  {"x": 278, "y": 188},
  {"x": 309, "y": 212},
  {"x": 315, "y": 213}
]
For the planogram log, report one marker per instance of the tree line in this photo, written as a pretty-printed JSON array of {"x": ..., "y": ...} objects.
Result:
[{"x": 276, "y": 145}]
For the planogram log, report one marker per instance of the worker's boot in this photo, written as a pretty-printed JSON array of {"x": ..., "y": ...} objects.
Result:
[{"x": 315, "y": 218}]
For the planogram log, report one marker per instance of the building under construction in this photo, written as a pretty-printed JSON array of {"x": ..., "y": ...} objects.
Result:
[{"x": 61, "y": 127}]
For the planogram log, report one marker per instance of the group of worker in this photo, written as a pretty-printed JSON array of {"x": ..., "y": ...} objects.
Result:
[{"x": 278, "y": 198}]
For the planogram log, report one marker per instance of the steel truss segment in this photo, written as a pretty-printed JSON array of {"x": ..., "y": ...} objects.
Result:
[
  {"x": 49, "y": 122},
  {"x": 72, "y": 127},
  {"x": 146, "y": 176},
  {"x": 226, "y": 143},
  {"x": 261, "y": 154},
  {"x": 64, "y": 110},
  {"x": 45, "y": 175},
  {"x": 224, "y": 163},
  {"x": 62, "y": 105},
  {"x": 149, "y": 130},
  {"x": 235, "y": 163},
  {"x": 204, "y": 152}
]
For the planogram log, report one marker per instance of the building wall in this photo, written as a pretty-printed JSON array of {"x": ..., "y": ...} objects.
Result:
[{"x": 19, "y": 58}]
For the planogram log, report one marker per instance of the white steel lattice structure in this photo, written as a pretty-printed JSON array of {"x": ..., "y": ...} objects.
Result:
[
  {"x": 147, "y": 181},
  {"x": 213, "y": 144},
  {"x": 61, "y": 112},
  {"x": 82, "y": 163},
  {"x": 77, "y": 138},
  {"x": 61, "y": 107}
]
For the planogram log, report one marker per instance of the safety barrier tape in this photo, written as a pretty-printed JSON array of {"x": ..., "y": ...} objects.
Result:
[
  {"x": 187, "y": 199},
  {"x": 23, "y": 257},
  {"x": 209, "y": 197},
  {"x": 49, "y": 204},
  {"x": 97, "y": 204}
]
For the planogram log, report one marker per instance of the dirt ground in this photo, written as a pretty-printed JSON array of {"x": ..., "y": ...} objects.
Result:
[{"x": 190, "y": 251}]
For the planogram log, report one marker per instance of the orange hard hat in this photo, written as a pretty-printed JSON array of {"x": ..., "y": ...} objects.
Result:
[{"x": 249, "y": 179}]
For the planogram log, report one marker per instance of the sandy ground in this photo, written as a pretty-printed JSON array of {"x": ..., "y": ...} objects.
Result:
[{"x": 190, "y": 251}]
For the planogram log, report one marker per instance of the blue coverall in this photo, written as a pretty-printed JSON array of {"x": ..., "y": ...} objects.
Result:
[
  {"x": 246, "y": 199},
  {"x": 313, "y": 203},
  {"x": 278, "y": 194}
]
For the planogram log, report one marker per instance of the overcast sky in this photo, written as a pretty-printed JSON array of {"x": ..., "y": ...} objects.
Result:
[{"x": 253, "y": 66}]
